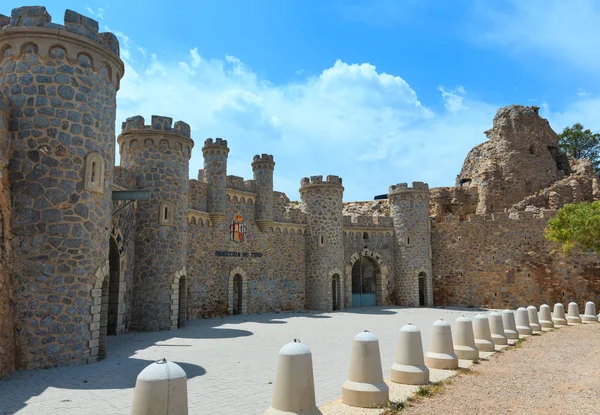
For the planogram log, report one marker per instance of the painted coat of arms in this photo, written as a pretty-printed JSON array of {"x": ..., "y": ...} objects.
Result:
[{"x": 237, "y": 228}]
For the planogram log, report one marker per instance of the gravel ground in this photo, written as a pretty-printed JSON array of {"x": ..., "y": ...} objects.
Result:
[{"x": 555, "y": 373}]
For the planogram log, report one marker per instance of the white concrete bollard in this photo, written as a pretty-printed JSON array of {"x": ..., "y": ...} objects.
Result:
[
  {"x": 522, "y": 320},
  {"x": 464, "y": 340},
  {"x": 510, "y": 326},
  {"x": 534, "y": 321},
  {"x": 590, "y": 313},
  {"x": 558, "y": 316},
  {"x": 365, "y": 387},
  {"x": 410, "y": 366},
  {"x": 441, "y": 350},
  {"x": 573, "y": 316},
  {"x": 294, "y": 386},
  {"x": 546, "y": 317},
  {"x": 483, "y": 334},
  {"x": 497, "y": 329},
  {"x": 160, "y": 389}
]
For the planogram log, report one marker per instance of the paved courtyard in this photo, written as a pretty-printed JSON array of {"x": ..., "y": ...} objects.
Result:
[{"x": 230, "y": 362}]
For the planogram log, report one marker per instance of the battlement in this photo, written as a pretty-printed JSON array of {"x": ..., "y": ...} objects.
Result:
[
  {"x": 217, "y": 142},
  {"x": 159, "y": 123},
  {"x": 358, "y": 221},
  {"x": 263, "y": 162},
  {"x": 318, "y": 180},
  {"x": 38, "y": 17},
  {"x": 402, "y": 187}
]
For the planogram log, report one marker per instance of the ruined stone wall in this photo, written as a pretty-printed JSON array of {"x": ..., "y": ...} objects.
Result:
[
  {"x": 273, "y": 281},
  {"x": 61, "y": 82},
  {"x": 159, "y": 155},
  {"x": 498, "y": 262},
  {"x": 322, "y": 203},
  {"x": 459, "y": 201},
  {"x": 410, "y": 214},
  {"x": 520, "y": 158},
  {"x": 7, "y": 320}
]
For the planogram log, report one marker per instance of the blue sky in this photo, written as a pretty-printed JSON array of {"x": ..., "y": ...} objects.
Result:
[{"x": 378, "y": 92}]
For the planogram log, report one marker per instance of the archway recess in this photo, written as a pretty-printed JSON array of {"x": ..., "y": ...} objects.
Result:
[
  {"x": 237, "y": 295},
  {"x": 378, "y": 284}
]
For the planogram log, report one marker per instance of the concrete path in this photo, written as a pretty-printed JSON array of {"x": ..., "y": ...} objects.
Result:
[{"x": 230, "y": 361}]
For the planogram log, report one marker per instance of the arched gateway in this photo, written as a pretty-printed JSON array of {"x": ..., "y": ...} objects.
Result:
[{"x": 366, "y": 279}]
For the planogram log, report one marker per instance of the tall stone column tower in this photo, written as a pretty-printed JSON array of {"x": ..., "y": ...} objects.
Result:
[
  {"x": 263, "y": 167},
  {"x": 159, "y": 154},
  {"x": 61, "y": 82},
  {"x": 323, "y": 204},
  {"x": 410, "y": 213},
  {"x": 215, "y": 174}
]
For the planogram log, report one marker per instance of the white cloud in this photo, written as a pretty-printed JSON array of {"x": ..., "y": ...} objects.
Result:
[
  {"x": 566, "y": 31},
  {"x": 98, "y": 14},
  {"x": 349, "y": 120}
]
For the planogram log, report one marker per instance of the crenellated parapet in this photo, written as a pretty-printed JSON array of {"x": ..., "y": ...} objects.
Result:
[
  {"x": 30, "y": 29},
  {"x": 216, "y": 146},
  {"x": 264, "y": 161},
  {"x": 161, "y": 134},
  {"x": 419, "y": 190},
  {"x": 316, "y": 184}
]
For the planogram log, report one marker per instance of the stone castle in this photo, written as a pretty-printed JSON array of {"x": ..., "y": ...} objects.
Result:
[{"x": 90, "y": 249}]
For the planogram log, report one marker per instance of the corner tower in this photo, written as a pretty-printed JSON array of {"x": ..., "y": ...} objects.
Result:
[
  {"x": 263, "y": 167},
  {"x": 410, "y": 213},
  {"x": 215, "y": 174},
  {"x": 159, "y": 155},
  {"x": 323, "y": 203},
  {"x": 61, "y": 82}
]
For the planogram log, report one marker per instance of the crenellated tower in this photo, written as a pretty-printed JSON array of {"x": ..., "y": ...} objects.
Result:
[
  {"x": 323, "y": 204},
  {"x": 263, "y": 167},
  {"x": 159, "y": 155},
  {"x": 61, "y": 82},
  {"x": 215, "y": 174},
  {"x": 410, "y": 213}
]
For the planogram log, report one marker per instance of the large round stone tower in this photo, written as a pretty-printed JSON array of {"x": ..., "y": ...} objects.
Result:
[
  {"x": 323, "y": 204},
  {"x": 410, "y": 213},
  {"x": 263, "y": 167},
  {"x": 215, "y": 174},
  {"x": 159, "y": 156},
  {"x": 61, "y": 82}
]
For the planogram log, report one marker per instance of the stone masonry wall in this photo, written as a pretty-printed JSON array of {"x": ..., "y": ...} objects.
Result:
[
  {"x": 61, "y": 82},
  {"x": 497, "y": 262},
  {"x": 410, "y": 213},
  {"x": 322, "y": 203},
  {"x": 159, "y": 155},
  {"x": 7, "y": 320},
  {"x": 274, "y": 281}
]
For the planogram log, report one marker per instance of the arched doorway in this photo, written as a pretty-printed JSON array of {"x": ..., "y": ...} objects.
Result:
[
  {"x": 364, "y": 282},
  {"x": 336, "y": 297},
  {"x": 422, "y": 289},
  {"x": 237, "y": 294},
  {"x": 114, "y": 264},
  {"x": 182, "y": 311}
]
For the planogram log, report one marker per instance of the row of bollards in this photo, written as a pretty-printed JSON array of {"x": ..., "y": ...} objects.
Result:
[{"x": 161, "y": 388}]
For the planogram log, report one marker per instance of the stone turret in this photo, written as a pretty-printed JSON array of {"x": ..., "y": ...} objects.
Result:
[
  {"x": 263, "y": 167},
  {"x": 62, "y": 83},
  {"x": 410, "y": 213},
  {"x": 323, "y": 205},
  {"x": 215, "y": 174},
  {"x": 159, "y": 155}
]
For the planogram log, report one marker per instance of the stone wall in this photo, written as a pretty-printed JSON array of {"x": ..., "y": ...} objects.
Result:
[
  {"x": 61, "y": 82},
  {"x": 410, "y": 214},
  {"x": 7, "y": 321},
  {"x": 322, "y": 203},
  {"x": 502, "y": 261},
  {"x": 272, "y": 281},
  {"x": 159, "y": 154},
  {"x": 520, "y": 158}
]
